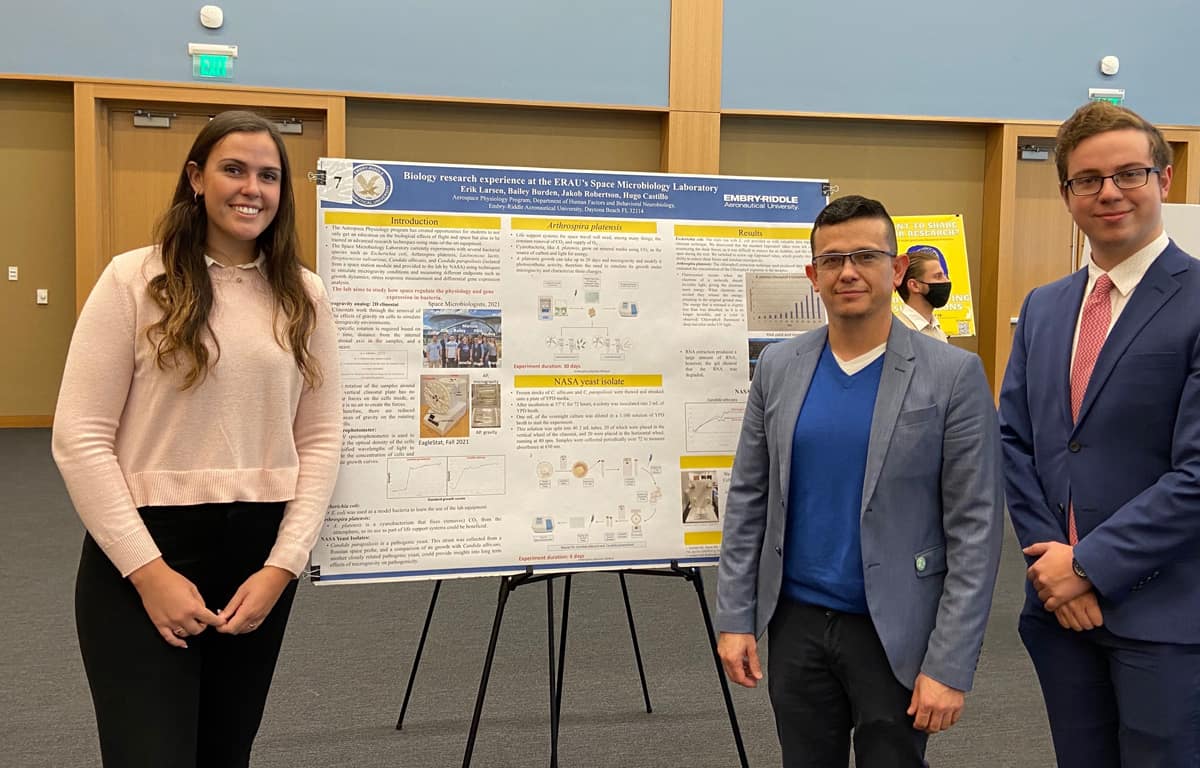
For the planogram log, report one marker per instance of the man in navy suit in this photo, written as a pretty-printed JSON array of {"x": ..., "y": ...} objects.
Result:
[
  {"x": 1100, "y": 419},
  {"x": 864, "y": 516}
]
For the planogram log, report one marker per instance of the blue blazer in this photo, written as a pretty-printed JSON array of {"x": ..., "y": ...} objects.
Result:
[
  {"x": 1132, "y": 462},
  {"x": 932, "y": 506}
]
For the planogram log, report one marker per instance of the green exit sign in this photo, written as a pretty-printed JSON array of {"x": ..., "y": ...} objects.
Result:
[
  {"x": 1111, "y": 95},
  {"x": 211, "y": 66}
]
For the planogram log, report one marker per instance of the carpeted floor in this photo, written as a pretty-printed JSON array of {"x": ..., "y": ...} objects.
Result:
[{"x": 349, "y": 650}]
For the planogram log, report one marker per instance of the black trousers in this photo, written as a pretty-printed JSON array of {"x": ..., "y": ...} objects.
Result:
[
  {"x": 829, "y": 678},
  {"x": 165, "y": 707}
]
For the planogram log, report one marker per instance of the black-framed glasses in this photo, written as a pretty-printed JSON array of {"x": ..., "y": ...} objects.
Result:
[
  {"x": 830, "y": 262},
  {"x": 1131, "y": 178}
]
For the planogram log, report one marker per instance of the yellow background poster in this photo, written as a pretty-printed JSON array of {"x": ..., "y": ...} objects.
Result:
[{"x": 945, "y": 233}]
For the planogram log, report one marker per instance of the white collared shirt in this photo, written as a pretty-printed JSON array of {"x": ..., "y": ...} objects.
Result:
[
  {"x": 915, "y": 320},
  {"x": 1125, "y": 277},
  {"x": 258, "y": 264}
]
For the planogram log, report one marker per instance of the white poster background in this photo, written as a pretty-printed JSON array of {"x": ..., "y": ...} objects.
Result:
[{"x": 542, "y": 368}]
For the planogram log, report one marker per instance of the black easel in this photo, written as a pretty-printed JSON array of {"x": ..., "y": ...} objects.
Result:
[
  {"x": 437, "y": 586},
  {"x": 510, "y": 583},
  {"x": 693, "y": 575}
]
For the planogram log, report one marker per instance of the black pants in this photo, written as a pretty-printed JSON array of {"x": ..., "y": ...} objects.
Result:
[
  {"x": 829, "y": 677},
  {"x": 164, "y": 707}
]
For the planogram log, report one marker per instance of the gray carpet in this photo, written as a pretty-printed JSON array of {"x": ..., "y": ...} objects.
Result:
[{"x": 349, "y": 649}]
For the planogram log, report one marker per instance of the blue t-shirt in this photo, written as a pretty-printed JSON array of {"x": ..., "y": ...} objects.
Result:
[{"x": 822, "y": 562}]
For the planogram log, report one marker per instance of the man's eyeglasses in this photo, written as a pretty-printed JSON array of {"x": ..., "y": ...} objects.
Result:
[
  {"x": 831, "y": 262},
  {"x": 1133, "y": 178}
]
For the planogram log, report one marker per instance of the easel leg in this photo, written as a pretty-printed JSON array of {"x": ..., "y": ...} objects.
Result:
[
  {"x": 562, "y": 648},
  {"x": 550, "y": 673},
  {"x": 412, "y": 676},
  {"x": 698, "y": 583},
  {"x": 505, "y": 588},
  {"x": 637, "y": 651}
]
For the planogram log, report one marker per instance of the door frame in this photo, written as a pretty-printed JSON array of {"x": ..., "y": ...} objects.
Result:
[{"x": 92, "y": 153}]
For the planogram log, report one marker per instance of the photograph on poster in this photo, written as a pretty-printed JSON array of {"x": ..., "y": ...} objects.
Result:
[
  {"x": 460, "y": 338},
  {"x": 485, "y": 404},
  {"x": 444, "y": 406},
  {"x": 700, "y": 504}
]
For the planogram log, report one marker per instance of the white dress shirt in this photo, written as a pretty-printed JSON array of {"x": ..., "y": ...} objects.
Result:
[
  {"x": 915, "y": 320},
  {"x": 1125, "y": 277}
]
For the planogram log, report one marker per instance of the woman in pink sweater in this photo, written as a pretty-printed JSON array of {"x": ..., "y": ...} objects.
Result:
[{"x": 198, "y": 431}]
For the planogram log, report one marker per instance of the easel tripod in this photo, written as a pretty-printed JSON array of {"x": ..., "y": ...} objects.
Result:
[{"x": 510, "y": 583}]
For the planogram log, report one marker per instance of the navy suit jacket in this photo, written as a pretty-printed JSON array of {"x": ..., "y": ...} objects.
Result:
[{"x": 1132, "y": 462}]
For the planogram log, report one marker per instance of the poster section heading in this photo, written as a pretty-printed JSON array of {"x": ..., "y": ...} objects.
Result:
[
  {"x": 357, "y": 185},
  {"x": 555, "y": 392}
]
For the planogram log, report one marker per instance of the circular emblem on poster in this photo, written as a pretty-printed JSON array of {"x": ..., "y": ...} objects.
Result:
[{"x": 372, "y": 185}]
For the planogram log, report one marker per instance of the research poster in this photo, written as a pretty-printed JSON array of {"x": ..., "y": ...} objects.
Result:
[
  {"x": 944, "y": 234},
  {"x": 547, "y": 369}
]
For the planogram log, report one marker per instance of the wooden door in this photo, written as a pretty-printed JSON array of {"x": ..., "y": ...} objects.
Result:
[
  {"x": 144, "y": 166},
  {"x": 1045, "y": 246},
  {"x": 1044, "y": 243}
]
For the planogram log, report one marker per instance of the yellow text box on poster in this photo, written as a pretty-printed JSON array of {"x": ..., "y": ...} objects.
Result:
[
  {"x": 586, "y": 381},
  {"x": 706, "y": 462},
  {"x": 943, "y": 233},
  {"x": 751, "y": 233},
  {"x": 588, "y": 226},
  {"x": 701, "y": 538},
  {"x": 432, "y": 221}
]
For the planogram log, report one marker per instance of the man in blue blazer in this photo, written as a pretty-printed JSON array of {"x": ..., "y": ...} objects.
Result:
[
  {"x": 1100, "y": 420},
  {"x": 864, "y": 516}
]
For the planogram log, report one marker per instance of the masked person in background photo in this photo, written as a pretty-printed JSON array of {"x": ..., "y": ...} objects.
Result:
[{"x": 925, "y": 287}]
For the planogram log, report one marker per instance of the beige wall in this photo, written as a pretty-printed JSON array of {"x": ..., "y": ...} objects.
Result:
[
  {"x": 36, "y": 201},
  {"x": 913, "y": 168},
  {"x": 498, "y": 135}
]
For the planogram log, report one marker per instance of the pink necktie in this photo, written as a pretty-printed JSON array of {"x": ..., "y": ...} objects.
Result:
[{"x": 1093, "y": 329}]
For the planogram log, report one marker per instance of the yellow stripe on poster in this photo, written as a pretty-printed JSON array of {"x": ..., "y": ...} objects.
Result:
[
  {"x": 585, "y": 381},
  {"x": 701, "y": 538},
  {"x": 589, "y": 226},
  {"x": 705, "y": 462},
  {"x": 748, "y": 233},
  {"x": 430, "y": 221}
]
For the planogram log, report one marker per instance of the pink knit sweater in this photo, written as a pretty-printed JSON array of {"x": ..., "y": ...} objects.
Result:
[{"x": 127, "y": 436}]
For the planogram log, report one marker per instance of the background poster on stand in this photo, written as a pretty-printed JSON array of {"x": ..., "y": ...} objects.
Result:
[
  {"x": 546, "y": 368},
  {"x": 945, "y": 234}
]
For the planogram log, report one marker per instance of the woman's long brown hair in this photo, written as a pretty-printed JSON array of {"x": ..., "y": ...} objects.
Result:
[{"x": 184, "y": 291}]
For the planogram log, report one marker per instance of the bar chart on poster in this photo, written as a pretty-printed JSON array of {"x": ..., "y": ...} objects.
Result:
[{"x": 784, "y": 302}]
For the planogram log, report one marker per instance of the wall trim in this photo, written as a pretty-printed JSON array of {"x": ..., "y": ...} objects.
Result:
[
  {"x": 409, "y": 97},
  {"x": 40, "y": 421}
]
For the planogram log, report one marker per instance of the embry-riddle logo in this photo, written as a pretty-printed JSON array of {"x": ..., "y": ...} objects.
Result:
[{"x": 372, "y": 185}]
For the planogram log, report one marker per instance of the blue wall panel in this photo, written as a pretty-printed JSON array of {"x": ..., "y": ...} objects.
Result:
[
  {"x": 611, "y": 52},
  {"x": 1008, "y": 59}
]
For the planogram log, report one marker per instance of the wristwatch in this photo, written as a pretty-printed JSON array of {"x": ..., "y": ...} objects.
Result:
[{"x": 1075, "y": 566}]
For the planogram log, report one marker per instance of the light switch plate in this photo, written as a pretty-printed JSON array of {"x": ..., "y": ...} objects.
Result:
[
  {"x": 12, "y": 273},
  {"x": 43, "y": 296}
]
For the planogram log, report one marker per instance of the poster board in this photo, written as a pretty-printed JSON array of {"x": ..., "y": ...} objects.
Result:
[
  {"x": 1182, "y": 223},
  {"x": 945, "y": 235},
  {"x": 546, "y": 368}
]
